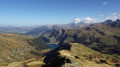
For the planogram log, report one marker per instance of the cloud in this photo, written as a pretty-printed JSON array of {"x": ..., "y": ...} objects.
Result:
[
  {"x": 101, "y": 15},
  {"x": 113, "y": 16},
  {"x": 85, "y": 20},
  {"x": 105, "y": 3}
]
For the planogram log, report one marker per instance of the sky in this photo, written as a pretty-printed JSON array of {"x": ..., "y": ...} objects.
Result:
[{"x": 40, "y": 12}]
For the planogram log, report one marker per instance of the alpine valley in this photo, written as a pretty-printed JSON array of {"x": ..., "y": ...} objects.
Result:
[{"x": 82, "y": 44}]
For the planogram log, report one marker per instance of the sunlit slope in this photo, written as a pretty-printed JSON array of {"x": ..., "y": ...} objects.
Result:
[
  {"x": 14, "y": 47},
  {"x": 77, "y": 55},
  {"x": 71, "y": 55}
]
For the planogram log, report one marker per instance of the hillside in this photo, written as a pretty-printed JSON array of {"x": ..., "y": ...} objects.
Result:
[
  {"x": 101, "y": 37},
  {"x": 14, "y": 47},
  {"x": 71, "y": 55}
]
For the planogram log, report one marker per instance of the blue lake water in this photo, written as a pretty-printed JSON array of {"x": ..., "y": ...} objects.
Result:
[{"x": 53, "y": 46}]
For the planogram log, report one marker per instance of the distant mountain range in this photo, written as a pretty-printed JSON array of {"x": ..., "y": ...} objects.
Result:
[
  {"x": 38, "y": 30},
  {"x": 42, "y": 29},
  {"x": 19, "y": 30}
]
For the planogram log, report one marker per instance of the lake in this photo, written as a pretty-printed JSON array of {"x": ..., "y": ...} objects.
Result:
[{"x": 53, "y": 45}]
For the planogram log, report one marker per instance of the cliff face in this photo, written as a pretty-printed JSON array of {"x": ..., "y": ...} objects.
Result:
[{"x": 71, "y": 55}]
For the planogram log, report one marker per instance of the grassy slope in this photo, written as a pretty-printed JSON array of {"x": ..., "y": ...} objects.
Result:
[
  {"x": 14, "y": 47},
  {"x": 78, "y": 55},
  {"x": 71, "y": 55}
]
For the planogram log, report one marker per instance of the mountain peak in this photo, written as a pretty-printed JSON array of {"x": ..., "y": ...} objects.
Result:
[{"x": 118, "y": 20}]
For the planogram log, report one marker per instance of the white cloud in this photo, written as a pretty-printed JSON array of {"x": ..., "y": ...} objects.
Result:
[
  {"x": 105, "y": 3},
  {"x": 85, "y": 20},
  {"x": 77, "y": 20},
  {"x": 113, "y": 16}
]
